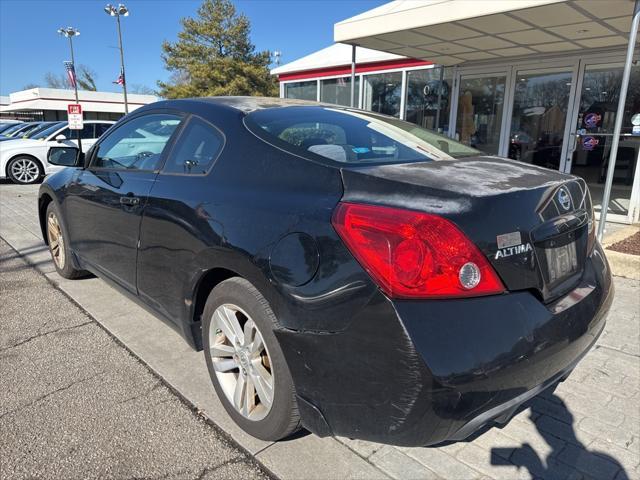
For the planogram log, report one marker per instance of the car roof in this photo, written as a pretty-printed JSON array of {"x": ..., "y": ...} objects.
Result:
[{"x": 242, "y": 104}]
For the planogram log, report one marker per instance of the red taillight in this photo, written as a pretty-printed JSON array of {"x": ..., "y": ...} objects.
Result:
[{"x": 414, "y": 255}]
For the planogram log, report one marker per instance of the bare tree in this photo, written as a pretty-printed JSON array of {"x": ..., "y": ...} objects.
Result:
[
  {"x": 141, "y": 89},
  {"x": 53, "y": 80},
  {"x": 85, "y": 76}
]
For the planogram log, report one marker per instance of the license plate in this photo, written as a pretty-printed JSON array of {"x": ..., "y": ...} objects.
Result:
[{"x": 561, "y": 261}]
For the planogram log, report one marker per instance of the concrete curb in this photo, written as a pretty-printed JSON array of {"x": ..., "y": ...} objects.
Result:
[
  {"x": 622, "y": 264},
  {"x": 619, "y": 235}
]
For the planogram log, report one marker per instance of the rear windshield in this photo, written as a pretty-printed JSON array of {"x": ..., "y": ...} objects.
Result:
[{"x": 352, "y": 136}]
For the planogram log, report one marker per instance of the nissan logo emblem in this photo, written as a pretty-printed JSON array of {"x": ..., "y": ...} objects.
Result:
[{"x": 564, "y": 198}]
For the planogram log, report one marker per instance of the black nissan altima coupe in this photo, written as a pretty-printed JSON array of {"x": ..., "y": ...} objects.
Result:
[{"x": 343, "y": 271}]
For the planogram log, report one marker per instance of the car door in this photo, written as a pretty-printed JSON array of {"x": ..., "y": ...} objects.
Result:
[
  {"x": 177, "y": 221},
  {"x": 105, "y": 201}
]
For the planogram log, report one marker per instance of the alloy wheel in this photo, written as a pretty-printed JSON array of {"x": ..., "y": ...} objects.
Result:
[
  {"x": 25, "y": 170},
  {"x": 241, "y": 362},
  {"x": 56, "y": 240}
]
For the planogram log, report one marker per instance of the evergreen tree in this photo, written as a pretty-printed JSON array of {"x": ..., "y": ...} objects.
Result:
[{"x": 214, "y": 56}]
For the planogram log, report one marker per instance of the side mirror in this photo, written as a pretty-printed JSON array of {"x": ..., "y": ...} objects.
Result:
[
  {"x": 65, "y": 157},
  {"x": 60, "y": 138}
]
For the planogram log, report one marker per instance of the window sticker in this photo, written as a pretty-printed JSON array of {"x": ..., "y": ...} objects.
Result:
[
  {"x": 592, "y": 120},
  {"x": 589, "y": 143},
  {"x": 360, "y": 150}
]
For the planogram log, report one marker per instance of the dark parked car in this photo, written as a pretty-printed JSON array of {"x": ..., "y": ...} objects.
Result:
[{"x": 342, "y": 270}]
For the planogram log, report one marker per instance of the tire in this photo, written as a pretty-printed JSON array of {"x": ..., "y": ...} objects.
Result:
[
  {"x": 265, "y": 421},
  {"x": 24, "y": 170},
  {"x": 58, "y": 245}
]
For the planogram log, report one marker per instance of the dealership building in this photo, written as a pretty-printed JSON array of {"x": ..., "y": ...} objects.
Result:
[
  {"x": 534, "y": 80},
  {"x": 50, "y": 104}
]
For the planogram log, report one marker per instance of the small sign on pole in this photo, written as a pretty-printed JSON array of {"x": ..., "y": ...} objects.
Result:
[{"x": 74, "y": 116}]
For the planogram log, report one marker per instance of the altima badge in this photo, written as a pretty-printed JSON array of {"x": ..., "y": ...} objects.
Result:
[{"x": 509, "y": 251}]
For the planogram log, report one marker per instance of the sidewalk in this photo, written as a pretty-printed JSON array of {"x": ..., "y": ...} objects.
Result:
[{"x": 588, "y": 428}]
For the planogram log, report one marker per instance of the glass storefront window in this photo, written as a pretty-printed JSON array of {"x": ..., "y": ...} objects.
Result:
[
  {"x": 540, "y": 104},
  {"x": 382, "y": 93},
  {"x": 302, "y": 90},
  {"x": 595, "y": 123},
  {"x": 423, "y": 87},
  {"x": 480, "y": 105},
  {"x": 338, "y": 91}
]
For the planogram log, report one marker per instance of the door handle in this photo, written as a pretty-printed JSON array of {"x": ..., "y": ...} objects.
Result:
[{"x": 129, "y": 201}]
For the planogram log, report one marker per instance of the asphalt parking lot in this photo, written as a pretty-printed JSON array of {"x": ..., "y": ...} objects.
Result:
[
  {"x": 588, "y": 428},
  {"x": 76, "y": 404}
]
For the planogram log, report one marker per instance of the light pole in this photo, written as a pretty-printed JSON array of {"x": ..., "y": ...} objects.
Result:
[
  {"x": 120, "y": 10},
  {"x": 71, "y": 32}
]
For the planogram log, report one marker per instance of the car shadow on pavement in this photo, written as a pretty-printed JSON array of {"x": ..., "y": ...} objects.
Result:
[
  {"x": 575, "y": 455},
  {"x": 30, "y": 251},
  {"x": 14, "y": 255}
]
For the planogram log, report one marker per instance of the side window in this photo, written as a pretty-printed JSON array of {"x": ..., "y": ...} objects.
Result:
[
  {"x": 85, "y": 134},
  {"x": 70, "y": 135},
  {"x": 196, "y": 150},
  {"x": 88, "y": 131},
  {"x": 101, "y": 128},
  {"x": 137, "y": 144}
]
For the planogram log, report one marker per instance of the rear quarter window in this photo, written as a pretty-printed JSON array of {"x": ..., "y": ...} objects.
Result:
[{"x": 197, "y": 148}]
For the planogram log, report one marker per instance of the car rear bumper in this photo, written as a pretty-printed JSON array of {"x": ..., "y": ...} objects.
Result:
[{"x": 421, "y": 373}]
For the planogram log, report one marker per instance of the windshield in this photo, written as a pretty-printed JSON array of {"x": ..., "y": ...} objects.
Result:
[
  {"x": 47, "y": 130},
  {"x": 8, "y": 126},
  {"x": 15, "y": 131},
  {"x": 27, "y": 132},
  {"x": 352, "y": 136},
  {"x": 8, "y": 131}
]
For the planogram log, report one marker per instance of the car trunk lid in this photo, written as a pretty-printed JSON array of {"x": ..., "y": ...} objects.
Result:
[{"x": 533, "y": 224}]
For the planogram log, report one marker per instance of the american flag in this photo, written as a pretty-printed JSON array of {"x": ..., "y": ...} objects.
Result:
[
  {"x": 120, "y": 79},
  {"x": 71, "y": 73}
]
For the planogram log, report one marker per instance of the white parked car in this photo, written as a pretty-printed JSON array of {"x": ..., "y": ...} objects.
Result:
[{"x": 25, "y": 161}]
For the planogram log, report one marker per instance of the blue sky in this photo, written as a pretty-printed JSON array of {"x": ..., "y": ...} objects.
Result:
[{"x": 30, "y": 46}]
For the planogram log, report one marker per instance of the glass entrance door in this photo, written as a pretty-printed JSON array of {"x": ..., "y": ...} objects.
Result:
[
  {"x": 538, "y": 122},
  {"x": 593, "y": 128},
  {"x": 480, "y": 111}
]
